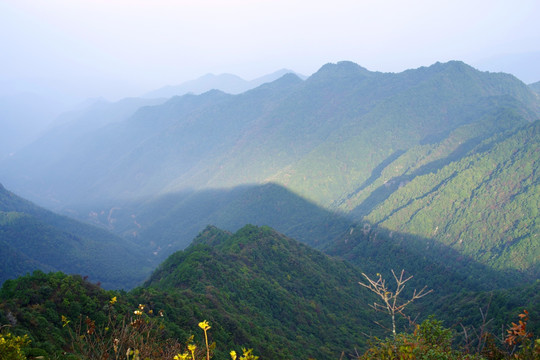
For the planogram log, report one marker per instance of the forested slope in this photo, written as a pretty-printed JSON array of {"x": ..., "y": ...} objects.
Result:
[
  {"x": 34, "y": 238},
  {"x": 257, "y": 289},
  {"x": 484, "y": 204}
]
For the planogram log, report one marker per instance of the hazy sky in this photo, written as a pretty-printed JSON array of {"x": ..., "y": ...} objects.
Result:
[{"x": 118, "y": 48}]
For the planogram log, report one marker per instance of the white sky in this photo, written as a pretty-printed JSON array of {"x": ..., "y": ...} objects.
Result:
[{"x": 118, "y": 48}]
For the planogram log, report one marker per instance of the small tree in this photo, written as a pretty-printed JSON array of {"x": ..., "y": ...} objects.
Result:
[{"x": 390, "y": 304}]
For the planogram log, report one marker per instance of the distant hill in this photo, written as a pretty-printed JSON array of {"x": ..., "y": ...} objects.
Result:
[
  {"x": 69, "y": 129},
  {"x": 34, "y": 238},
  {"x": 100, "y": 112},
  {"x": 228, "y": 83}
]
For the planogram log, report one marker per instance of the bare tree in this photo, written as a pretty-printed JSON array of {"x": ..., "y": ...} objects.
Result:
[
  {"x": 481, "y": 333},
  {"x": 390, "y": 304}
]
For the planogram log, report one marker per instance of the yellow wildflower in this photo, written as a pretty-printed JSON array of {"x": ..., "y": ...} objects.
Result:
[
  {"x": 113, "y": 300},
  {"x": 192, "y": 347},
  {"x": 204, "y": 325},
  {"x": 233, "y": 355}
]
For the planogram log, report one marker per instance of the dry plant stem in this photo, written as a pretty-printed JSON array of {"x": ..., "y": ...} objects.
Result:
[
  {"x": 207, "y": 348},
  {"x": 481, "y": 333},
  {"x": 389, "y": 298}
]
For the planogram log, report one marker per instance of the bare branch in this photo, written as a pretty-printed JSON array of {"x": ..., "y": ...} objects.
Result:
[{"x": 389, "y": 298}]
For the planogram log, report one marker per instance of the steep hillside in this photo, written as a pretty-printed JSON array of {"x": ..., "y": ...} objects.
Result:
[
  {"x": 408, "y": 109},
  {"x": 34, "y": 238},
  {"x": 484, "y": 204},
  {"x": 260, "y": 288}
]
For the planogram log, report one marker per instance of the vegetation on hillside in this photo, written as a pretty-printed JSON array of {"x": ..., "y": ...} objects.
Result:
[
  {"x": 484, "y": 205},
  {"x": 261, "y": 288},
  {"x": 34, "y": 238},
  {"x": 256, "y": 289},
  {"x": 117, "y": 326}
]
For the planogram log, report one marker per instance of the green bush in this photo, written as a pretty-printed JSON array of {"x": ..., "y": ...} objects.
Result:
[{"x": 11, "y": 347}]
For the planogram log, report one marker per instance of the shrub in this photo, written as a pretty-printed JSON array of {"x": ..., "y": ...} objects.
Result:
[{"x": 11, "y": 347}]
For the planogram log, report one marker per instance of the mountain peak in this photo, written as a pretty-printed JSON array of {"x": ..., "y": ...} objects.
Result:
[
  {"x": 228, "y": 83},
  {"x": 341, "y": 69},
  {"x": 285, "y": 81},
  {"x": 454, "y": 65},
  {"x": 248, "y": 234},
  {"x": 263, "y": 275},
  {"x": 290, "y": 77}
]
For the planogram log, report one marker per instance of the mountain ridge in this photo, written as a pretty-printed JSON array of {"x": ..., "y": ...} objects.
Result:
[
  {"x": 340, "y": 138},
  {"x": 228, "y": 83},
  {"x": 283, "y": 129}
]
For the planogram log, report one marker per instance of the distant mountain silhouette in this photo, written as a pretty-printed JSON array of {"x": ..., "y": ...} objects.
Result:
[{"x": 228, "y": 83}]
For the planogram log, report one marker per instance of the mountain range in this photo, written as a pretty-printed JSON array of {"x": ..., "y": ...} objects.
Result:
[
  {"x": 444, "y": 152},
  {"x": 228, "y": 83},
  {"x": 431, "y": 168}
]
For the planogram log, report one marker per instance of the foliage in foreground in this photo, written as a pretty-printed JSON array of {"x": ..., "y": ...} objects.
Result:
[
  {"x": 121, "y": 330},
  {"x": 11, "y": 346},
  {"x": 297, "y": 305},
  {"x": 140, "y": 339},
  {"x": 138, "y": 336},
  {"x": 431, "y": 341}
]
